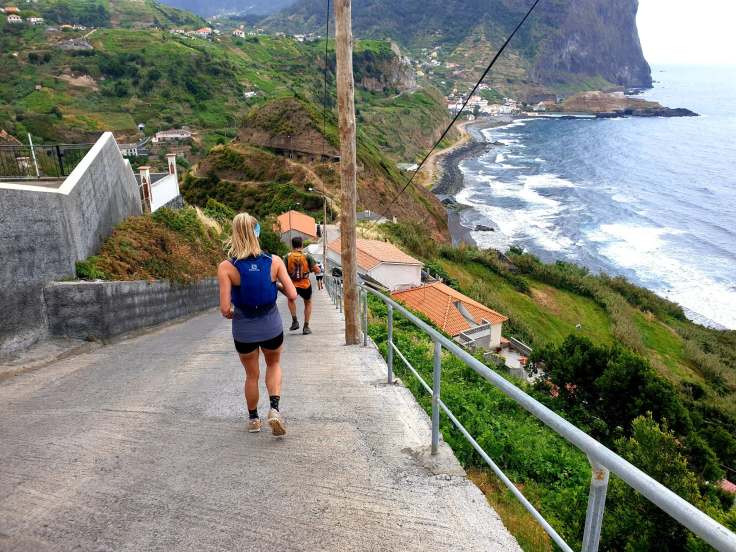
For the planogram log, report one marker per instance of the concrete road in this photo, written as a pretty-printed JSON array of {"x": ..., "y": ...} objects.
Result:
[{"x": 142, "y": 445}]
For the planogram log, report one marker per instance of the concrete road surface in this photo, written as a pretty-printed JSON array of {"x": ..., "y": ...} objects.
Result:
[{"x": 142, "y": 445}]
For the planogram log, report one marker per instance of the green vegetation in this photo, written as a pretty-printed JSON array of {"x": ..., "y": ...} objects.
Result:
[
  {"x": 405, "y": 126},
  {"x": 180, "y": 246},
  {"x": 119, "y": 13},
  {"x": 252, "y": 180},
  {"x": 618, "y": 361}
]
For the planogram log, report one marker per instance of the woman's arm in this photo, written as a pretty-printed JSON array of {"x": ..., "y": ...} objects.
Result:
[
  {"x": 226, "y": 285},
  {"x": 283, "y": 278}
]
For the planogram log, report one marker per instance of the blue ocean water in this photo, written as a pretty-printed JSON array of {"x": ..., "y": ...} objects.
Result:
[{"x": 650, "y": 199}]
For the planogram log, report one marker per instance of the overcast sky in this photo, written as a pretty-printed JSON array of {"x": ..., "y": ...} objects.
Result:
[{"x": 683, "y": 31}]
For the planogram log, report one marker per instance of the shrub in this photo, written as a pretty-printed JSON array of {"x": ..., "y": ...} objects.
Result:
[
  {"x": 88, "y": 270},
  {"x": 184, "y": 221}
]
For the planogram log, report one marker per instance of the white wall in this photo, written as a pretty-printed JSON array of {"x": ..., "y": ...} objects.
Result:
[
  {"x": 333, "y": 258},
  {"x": 496, "y": 335},
  {"x": 287, "y": 236},
  {"x": 163, "y": 191},
  {"x": 394, "y": 276}
]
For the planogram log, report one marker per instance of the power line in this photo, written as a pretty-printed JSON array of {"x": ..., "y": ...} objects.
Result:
[
  {"x": 324, "y": 94},
  {"x": 465, "y": 103}
]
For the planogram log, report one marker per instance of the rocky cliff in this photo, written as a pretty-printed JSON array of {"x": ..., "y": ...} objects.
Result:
[
  {"x": 383, "y": 70},
  {"x": 565, "y": 41},
  {"x": 593, "y": 37}
]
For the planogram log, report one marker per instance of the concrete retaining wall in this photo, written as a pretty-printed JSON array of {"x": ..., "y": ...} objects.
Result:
[
  {"x": 44, "y": 231},
  {"x": 107, "y": 309}
]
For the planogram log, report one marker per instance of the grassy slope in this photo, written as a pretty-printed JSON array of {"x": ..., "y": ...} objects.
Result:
[
  {"x": 700, "y": 362},
  {"x": 176, "y": 245},
  {"x": 551, "y": 473},
  {"x": 164, "y": 81}
]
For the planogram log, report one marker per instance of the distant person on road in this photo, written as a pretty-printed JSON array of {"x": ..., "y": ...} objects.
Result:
[
  {"x": 249, "y": 283},
  {"x": 299, "y": 266},
  {"x": 320, "y": 276}
]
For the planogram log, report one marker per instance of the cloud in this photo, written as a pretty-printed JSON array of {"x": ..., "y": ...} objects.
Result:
[{"x": 687, "y": 32}]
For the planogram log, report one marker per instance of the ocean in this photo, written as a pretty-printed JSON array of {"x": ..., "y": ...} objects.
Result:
[{"x": 653, "y": 199}]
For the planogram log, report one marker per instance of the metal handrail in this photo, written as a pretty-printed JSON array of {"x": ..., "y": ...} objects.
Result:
[
  {"x": 40, "y": 161},
  {"x": 602, "y": 459}
]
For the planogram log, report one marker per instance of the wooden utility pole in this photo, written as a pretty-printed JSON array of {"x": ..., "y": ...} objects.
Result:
[
  {"x": 324, "y": 231},
  {"x": 346, "y": 120}
]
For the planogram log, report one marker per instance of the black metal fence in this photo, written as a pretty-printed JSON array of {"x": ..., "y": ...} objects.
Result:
[{"x": 19, "y": 162}]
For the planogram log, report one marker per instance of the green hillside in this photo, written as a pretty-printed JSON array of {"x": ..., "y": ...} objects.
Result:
[
  {"x": 626, "y": 366},
  {"x": 563, "y": 46},
  {"x": 110, "y": 13}
]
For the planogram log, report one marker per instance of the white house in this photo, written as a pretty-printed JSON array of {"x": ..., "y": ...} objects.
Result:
[
  {"x": 172, "y": 135},
  {"x": 15, "y": 19},
  {"x": 382, "y": 262},
  {"x": 35, "y": 20},
  {"x": 239, "y": 33},
  {"x": 204, "y": 32}
]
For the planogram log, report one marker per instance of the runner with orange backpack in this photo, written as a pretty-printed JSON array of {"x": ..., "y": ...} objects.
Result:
[{"x": 300, "y": 265}]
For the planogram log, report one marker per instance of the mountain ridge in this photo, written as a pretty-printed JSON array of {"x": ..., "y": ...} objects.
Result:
[{"x": 562, "y": 42}]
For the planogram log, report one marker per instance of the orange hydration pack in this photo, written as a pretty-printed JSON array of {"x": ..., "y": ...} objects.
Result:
[{"x": 297, "y": 266}]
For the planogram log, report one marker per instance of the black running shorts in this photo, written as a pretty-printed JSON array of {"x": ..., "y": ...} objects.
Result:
[
  {"x": 304, "y": 293},
  {"x": 269, "y": 345}
]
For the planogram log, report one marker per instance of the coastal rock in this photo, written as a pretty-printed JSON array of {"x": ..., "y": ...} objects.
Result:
[
  {"x": 484, "y": 228},
  {"x": 662, "y": 112},
  {"x": 608, "y": 105}
]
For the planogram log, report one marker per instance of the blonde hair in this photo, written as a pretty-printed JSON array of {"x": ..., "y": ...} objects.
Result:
[{"x": 243, "y": 243}]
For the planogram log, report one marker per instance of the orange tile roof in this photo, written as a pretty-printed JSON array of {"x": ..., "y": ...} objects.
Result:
[
  {"x": 727, "y": 486},
  {"x": 371, "y": 253},
  {"x": 294, "y": 220},
  {"x": 436, "y": 301}
]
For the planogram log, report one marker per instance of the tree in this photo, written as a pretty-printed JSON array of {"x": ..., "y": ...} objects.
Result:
[
  {"x": 605, "y": 388},
  {"x": 631, "y": 522}
]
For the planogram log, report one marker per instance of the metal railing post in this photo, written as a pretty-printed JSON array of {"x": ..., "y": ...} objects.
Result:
[
  {"x": 596, "y": 507},
  {"x": 340, "y": 302},
  {"x": 365, "y": 318},
  {"x": 436, "y": 396},
  {"x": 60, "y": 159},
  {"x": 390, "y": 351},
  {"x": 33, "y": 155}
]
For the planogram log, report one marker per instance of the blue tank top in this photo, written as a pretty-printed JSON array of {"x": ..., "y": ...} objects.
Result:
[
  {"x": 256, "y": 317},
  {"x": 257, "y": 292}
]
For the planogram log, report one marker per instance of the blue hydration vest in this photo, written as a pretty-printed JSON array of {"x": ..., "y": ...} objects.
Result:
[{"x": 256, "y": 293}]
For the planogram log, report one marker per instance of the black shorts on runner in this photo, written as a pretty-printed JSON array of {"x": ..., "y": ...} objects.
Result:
[
  {"x": 270, "y": 345},
  {"x": 320, "y": 276},
  {"x": 304, "y": 293}
]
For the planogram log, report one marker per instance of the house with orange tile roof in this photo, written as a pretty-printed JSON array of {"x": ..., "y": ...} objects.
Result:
[
  {"x": 292, "y": 224},
  {"x": 470, "y": 323},
  {"x": 383, "y": 262}
]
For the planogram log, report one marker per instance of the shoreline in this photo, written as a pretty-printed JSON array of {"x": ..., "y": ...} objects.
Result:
[
  {"x": 450, "y": 182},
  {"x": 446, "y": 178}
]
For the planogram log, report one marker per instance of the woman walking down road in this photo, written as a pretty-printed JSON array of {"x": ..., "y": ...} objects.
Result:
[{"x": 249, "y": 284}]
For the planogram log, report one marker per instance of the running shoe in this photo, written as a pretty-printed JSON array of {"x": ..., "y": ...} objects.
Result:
[
  {"x": 276, "y": 422},
  {"x": 294, "y": 325},
  {"x": 254, "y": 425},
  {"x": 306, "y": 330}
]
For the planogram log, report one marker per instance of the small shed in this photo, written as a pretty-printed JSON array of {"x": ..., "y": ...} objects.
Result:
[{"x": 293, "y": 223}]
